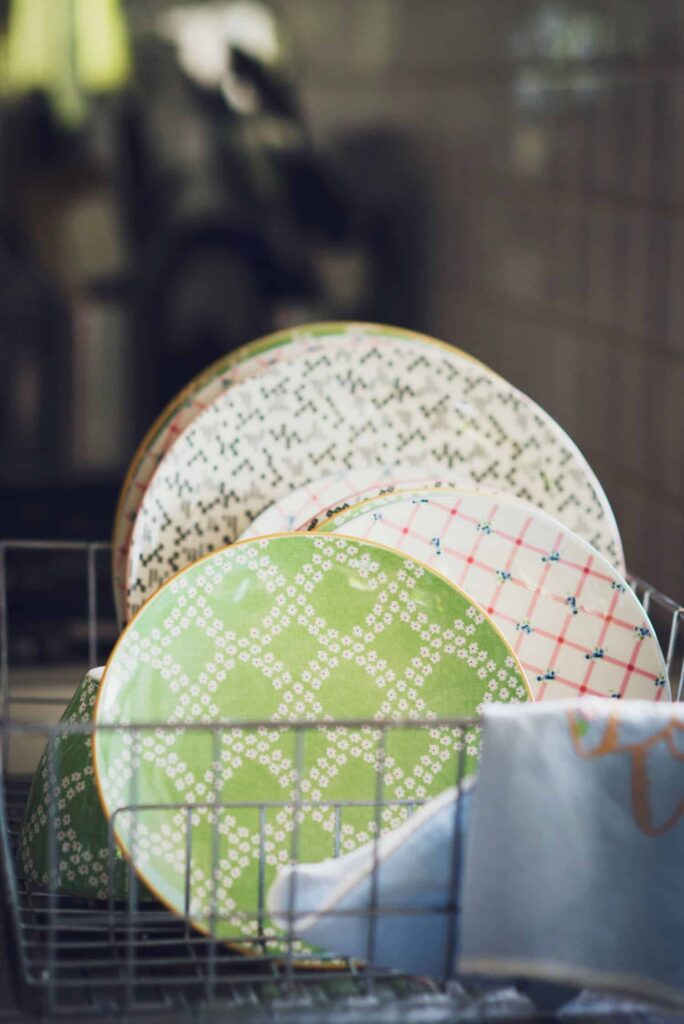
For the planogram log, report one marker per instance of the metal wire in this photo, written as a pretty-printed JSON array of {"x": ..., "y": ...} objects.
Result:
[{"x": 81, "y": 957}]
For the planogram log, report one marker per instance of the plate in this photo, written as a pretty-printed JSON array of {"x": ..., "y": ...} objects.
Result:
[
  {"x": 294, "y": 627},
  {"x": 303, "y": 508},
  {"x": 363, "y": 401},
  {"x": 82, "y": 837},
  {"x": 240, "y": 364},
  {"x": 571, "y": 618}
]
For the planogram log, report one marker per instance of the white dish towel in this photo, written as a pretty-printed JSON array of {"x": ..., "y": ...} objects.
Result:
[
  {"x": 574, "y": 861},
  {"x": 411, "y": 876}
]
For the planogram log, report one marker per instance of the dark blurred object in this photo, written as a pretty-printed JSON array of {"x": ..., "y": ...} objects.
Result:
[
  {"x": 236, "y": 222},
  {"x": 387, "y": 221},
  {"x": 55, "y": 594},
  {"x": 33, "y": 347},
  {"x": 158, "y": 209}
]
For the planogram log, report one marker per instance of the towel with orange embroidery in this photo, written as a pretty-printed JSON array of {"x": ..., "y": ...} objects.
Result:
[{"x": 574, "y": 862}]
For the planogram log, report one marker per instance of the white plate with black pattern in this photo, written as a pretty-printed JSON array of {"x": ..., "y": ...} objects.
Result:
[
  {"x": 365, "y": 400},
  {"x": 240, "y": 364}
]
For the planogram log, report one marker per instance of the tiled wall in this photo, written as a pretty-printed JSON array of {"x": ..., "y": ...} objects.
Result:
[{"x": 551, "y": 136}]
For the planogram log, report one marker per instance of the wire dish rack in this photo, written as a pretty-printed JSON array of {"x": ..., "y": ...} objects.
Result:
[{"x": 69, "y": 957}]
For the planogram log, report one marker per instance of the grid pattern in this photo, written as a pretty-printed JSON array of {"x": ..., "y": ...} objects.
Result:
[
  {"x": 82, "y": 957},
  {"x": 307, "y": 505},
  {"x": 570, "y": 617}
]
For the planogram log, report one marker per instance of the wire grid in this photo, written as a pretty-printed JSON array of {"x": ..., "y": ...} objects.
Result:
[
  {"x": 84, "y": 957},
  {"x": 93, "y": 956}
]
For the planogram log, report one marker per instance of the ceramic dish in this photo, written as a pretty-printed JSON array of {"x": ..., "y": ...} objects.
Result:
[
  {"x": 363, "y": 401},
  {"x": 303, "y": 508},
  {"x": 292, "y": 627},
  {"x": 82, "y": 837},
  {"x": 571, "y": 618},
  {"x": 241, "y": 364}
]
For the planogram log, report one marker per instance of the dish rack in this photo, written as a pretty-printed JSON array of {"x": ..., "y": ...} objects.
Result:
[{"x": 69, "y": 958}]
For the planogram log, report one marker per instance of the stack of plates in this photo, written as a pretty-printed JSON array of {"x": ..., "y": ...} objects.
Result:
[{"x": 342, "y": 522}]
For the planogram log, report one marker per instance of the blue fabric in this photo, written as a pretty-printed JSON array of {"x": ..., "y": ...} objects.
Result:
[
  {"x": 415, "y": 867},
  {"x": 574, "y": 864}
]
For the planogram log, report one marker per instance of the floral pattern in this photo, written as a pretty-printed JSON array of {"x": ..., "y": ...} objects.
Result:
[
  {"x": 299, "y": 627},
  {"x": 65, "y": 776}
]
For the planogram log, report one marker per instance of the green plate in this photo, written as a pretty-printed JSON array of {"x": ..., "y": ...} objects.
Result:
[
  {"x": 81, "y": 865},
  {"x": 296, "y": 627}
]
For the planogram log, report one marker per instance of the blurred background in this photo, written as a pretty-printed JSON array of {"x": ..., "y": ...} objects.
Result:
[{"x": 178, "y": 178}]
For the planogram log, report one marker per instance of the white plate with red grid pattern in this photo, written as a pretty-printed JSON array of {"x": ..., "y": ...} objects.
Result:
[
  {"x": 305, "y": 507},
  {"x": 571, "y": 618}
]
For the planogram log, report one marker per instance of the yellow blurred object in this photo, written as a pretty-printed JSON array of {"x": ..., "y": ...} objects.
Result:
[
  {"x": 103, "y": 58},
  {"x": 32, "y": 57},
  {"x": 66, "y": 48}
]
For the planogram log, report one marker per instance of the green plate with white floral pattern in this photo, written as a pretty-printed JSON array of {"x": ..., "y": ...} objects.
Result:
[
  {"x": 299, "y": 628},
  {"x": 81, "y": 865}
]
